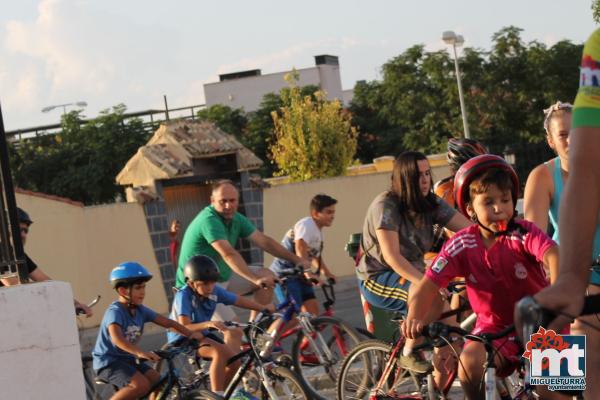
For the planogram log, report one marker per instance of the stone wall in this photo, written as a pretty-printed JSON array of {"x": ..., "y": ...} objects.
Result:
[
  {"x": 251, "y": 205},
  {"x": 158, "y": 227}
]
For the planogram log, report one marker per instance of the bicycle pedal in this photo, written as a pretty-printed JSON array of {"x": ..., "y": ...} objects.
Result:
[{"x": 284, "y": 360}]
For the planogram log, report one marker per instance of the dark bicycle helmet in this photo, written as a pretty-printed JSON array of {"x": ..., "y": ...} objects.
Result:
[
  {"x": 23, "y": 216},
  {"x": 462, "y": 150},
  {"x": 128, "y": 273},
  {"x": 201, "y": 268},
  {"x": 475, "y": 167}
]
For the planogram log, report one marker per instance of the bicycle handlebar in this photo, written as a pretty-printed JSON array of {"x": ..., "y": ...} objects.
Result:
[
  {"x": 79, "y": 311},
  {"x": 532, "y": 313},
  {"x": 438, "y": 329},
  {"x": 183, "y": 346}
]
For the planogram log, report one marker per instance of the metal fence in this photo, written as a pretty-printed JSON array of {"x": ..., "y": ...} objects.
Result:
[{"x": 151, "y": 121}]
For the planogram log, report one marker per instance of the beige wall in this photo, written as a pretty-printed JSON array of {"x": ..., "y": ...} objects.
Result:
[
  {"x": 81, "y": 245},
  {"x": 286, "y": 204}
]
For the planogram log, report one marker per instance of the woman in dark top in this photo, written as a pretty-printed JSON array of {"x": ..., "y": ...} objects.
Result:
[{"x": 397, "y": 232}]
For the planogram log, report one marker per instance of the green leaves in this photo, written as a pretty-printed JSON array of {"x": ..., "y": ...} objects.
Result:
[
  {"x": 416, "y": 107},
  {"x": 82, "y": 161},
  {"x": 314, "y": 137}
]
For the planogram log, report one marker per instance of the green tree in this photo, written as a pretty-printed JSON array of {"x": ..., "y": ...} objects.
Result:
[
  {"x": 415, "y": 106},
  {"x": 229, "y": 120},
  {"x": 596, "y": 10},
  {"x": 82, "y": 161},
  {"x": 260, "y": 133},
  {"x": 315, "y": 137}
]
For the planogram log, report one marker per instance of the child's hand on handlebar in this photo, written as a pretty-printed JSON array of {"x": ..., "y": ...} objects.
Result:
[
  {"x": 411, "y": 328},
  {"x": 265, "y": 282},
  {"x": 313, "y": 278},
  {"x": 330, "y": 276},
  {"x": 219, "y": 325},
  {"x": 197, "y": 335},
  {"x": 148, "y": 355},
  {"x": 304, "y": 264}
]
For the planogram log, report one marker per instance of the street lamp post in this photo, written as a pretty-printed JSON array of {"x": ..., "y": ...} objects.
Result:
[
  {"x": 64, "y": 106},
  {"x": 449, "y": 37}
]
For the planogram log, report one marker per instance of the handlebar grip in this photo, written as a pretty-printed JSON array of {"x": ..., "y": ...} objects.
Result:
[
  {"x": 434, "y": 330},
  {"x": 591, "y": 305}
]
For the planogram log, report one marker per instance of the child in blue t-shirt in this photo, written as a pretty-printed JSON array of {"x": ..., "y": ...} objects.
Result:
[
  {"x": 116, "y": 354},
  {"x": 193, "y": 307}
]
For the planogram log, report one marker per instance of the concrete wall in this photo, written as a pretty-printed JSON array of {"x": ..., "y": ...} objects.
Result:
[
  {"x": 81, "y": 245},
  {"x": 286, "y": 204},
  {"x": 247, "y": 93},
  {"x": 39, "y": 346}
]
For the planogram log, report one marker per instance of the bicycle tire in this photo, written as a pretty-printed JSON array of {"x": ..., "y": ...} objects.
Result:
[
  {"x": 201, "y": 394},
  {"x": 362, "y": 368},
  {"x": 288, "y": 385},
  {"x": 365, "y": 333},
  {"x": 317, "y": 377}
]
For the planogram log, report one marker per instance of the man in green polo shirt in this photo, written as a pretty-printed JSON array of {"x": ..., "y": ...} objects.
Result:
[{"x": 214, "y": 233}]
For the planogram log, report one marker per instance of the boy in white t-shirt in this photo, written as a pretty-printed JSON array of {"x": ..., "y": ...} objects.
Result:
[{"x": 305, "y": 239}]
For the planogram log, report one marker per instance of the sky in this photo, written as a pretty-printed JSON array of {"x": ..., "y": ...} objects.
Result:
[{"x": 135, "y": 51}]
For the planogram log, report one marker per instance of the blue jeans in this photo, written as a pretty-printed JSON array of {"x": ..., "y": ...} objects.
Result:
[{"x": 385, "y": 290}]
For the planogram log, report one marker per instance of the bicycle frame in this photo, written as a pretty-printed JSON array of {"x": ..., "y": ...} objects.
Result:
[
  {"x": 289, "y": 308},
  {"x": 396, "y": 351},
  {"x": 250, "y": 356}
]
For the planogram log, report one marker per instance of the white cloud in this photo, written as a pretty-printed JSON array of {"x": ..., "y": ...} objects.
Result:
[
  {"x": 297, "y": 55},
  {"x": 70, "y": 51}
]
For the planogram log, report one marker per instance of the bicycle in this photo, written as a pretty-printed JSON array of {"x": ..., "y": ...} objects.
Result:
[
  {"x": 86, "y": 361},
  {"x": 260, "y": 375},
  {"x": 321, "y": 342},
  {"x": 169, "y": 385},
  {"x": 372, "y": 371},
  {"x": 533, "y": 316}
]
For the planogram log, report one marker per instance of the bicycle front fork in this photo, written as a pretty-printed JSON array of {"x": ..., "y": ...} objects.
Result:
[{"x": 321, "y": 349}]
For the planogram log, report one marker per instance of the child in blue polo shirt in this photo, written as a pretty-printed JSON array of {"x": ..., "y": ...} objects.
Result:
[
  {"x": 116, "y": 354},
  {"x": 194, "y": 306}
]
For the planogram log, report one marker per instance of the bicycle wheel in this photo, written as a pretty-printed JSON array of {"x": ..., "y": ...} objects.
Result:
[
  {"x": 287, "y": 385},
  {"x": 333, "y": 339},
  {"x": 201, "y": 395},
  {"x": 361, "y": 374}
]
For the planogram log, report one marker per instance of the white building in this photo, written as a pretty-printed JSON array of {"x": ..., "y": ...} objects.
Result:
[{"x": 246, "y": 89}]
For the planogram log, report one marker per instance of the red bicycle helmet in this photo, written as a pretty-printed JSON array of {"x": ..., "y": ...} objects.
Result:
[{"x": 473, "y": 168}]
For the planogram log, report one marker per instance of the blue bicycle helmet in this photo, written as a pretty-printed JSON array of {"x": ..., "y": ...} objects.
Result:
[
  {"x": 23, "y": 216},
  {"x": 128, "y": 273}
]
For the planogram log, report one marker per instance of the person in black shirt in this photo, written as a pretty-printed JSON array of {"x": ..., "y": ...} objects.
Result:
[{"x": 35, "y": 273}]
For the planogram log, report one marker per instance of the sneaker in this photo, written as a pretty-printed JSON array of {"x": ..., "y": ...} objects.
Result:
[
  {"x": 241, "y": 394},
  {"x": 415, "y": 364}
]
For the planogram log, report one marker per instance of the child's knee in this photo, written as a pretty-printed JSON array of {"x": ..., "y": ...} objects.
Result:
[
  {"x": 140, "y": 384},
  {"x": 471, "y": 362},
  {"x": 153, "y": 376}
]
